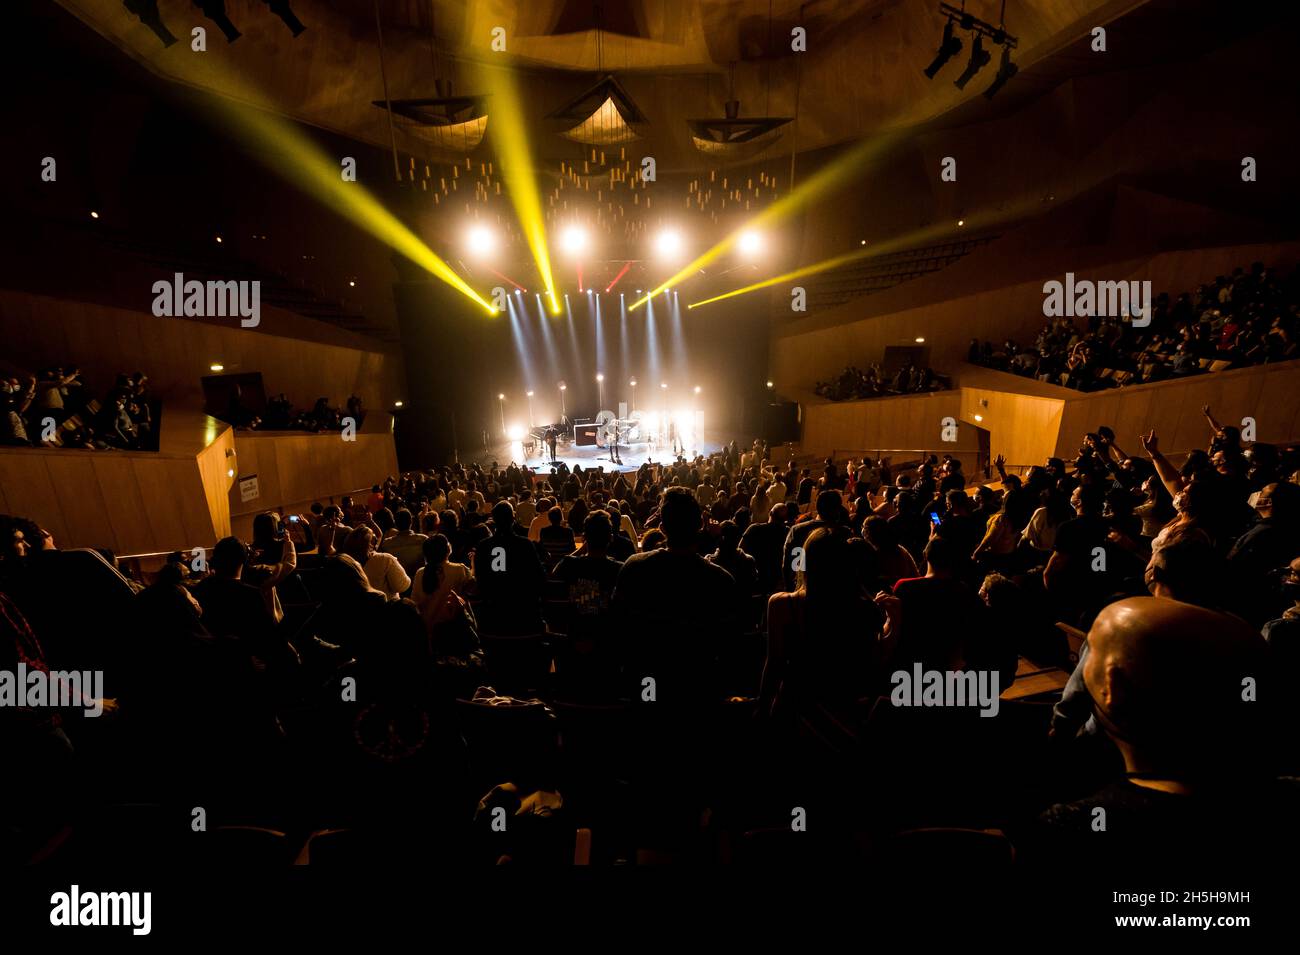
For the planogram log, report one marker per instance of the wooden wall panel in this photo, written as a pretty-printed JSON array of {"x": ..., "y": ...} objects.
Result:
[{"x": 176, "y": 353}]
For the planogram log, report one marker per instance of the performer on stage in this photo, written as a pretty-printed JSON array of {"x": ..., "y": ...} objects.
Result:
[
  {"x": 613, "y": 450},
  {"x": 551, "y": 437}
]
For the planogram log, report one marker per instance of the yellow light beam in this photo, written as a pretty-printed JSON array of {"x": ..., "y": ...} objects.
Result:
[
  {"x": 928, "y": 233},
  {"x": 320, "y": 176},
  {"x": 798, "y": 273},
  {"x": 831, "y": 176},
  {"x": 510, "y": 140}
]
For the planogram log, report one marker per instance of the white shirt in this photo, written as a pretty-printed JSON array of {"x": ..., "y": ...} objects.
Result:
[{"x": 385, "y": 573}]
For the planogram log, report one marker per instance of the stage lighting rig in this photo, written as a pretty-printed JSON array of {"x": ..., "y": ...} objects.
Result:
[
  {"x": 215, "y": 10},
  {"x": 1006, "y": 70},
  {"x": 147, "y": 11},
  {"x": 480, "y": 240},
  {"x": 979, "y": 58},
  {"x": 285, "y": 12},
  {"x": 951, "y": 45},
  {"x": 948, "y": 48},
  {"x": 750, "y": 243},
  {"x": 574, "y": 240},
  {"x": 668, "y": 244}
]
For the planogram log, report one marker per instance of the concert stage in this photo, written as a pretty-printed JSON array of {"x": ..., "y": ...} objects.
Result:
[{"x": 591, "y": 456}]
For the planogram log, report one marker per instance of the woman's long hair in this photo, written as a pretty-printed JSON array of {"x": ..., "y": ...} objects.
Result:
[{"x": 436, "y": 551}]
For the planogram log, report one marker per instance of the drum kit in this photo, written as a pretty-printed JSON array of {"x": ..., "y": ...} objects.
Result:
[{"x": 612, "y": 430}]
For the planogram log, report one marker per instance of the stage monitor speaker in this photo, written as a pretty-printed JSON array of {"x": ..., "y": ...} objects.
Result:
[
  {"x": 780, "y": 422},
  {"x": 585, "y": 434}
]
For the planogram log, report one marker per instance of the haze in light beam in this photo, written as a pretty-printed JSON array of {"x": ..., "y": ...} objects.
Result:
[
  {"x": 289, "y": 153},
  {"x": 509, "y": 138}
]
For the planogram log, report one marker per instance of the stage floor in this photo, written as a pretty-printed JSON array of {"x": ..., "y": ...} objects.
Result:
[{"x": 590, "y": 456}]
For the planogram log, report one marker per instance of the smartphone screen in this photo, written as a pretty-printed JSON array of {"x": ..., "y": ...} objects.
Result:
[{"x": 934, "y": 518}]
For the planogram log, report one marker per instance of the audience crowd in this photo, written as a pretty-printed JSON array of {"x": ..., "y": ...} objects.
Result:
[
  {"x": 721, "y": 634},
  {"x": 854, "y": 383},
  {"x": 55, "y": 408},
  {"x": 280, "y": 414},
  {"x": 1246, "y": 318}
]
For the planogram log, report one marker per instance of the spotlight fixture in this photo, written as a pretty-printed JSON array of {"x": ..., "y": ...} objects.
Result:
[
  {"x": 668, "y": 244},
  {"x": 770, "y": 385},
  {"x": 600, "y": 377},
  {"x": 979, "y": 58},
  {"x": 1006, "y": 70},
  {"x": 215, "y": 10},
  {"x": 573, "y": 240},
  {"x": 216, "y": 366},
  {"x": 501, "y": 397},
  {"x": 147, "y": 11},
  {"x": 919, "y": 341},
  {"x": 948, "y": 48},
  {"x": 282, "y": 10},
  {"x": 749, "y": 243},
  {"x": 94, "y": 214},
  {"x": 480, "y": 240},
  {"x": 218, "y": 240},
  {"x": 397, "y": 404},
  {"x": 516, "y": 432}
]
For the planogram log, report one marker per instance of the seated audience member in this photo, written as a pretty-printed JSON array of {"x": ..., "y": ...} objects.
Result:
[
  {"x": 437, "y": 580},
  {"x": 589, "y": 577},
  {"x": 825, "y": 650},
  {"x": 1165, "y": 679},
  {"x": 1021, "y": 624},
  {"x": 893, "y": 559},
  {"x": 830, "y": 513},
  {"x": 1187, "y": 570},
  {"x": 383, "y": 571},
  {"x": 671, "y": 622},
  {"x": 557, "y": 540},
  {"x": 510, "y": 577},
  {"x": 1083, "y": 568},
  {"x": 764, "y": 542},
  {"x": 271, "y": 559},
  {"x": 735, "y": 561},
  {"x": 1260, "y": 555},
  {"x": 935, "y": 620},
  {"x": 406, "y": 544},
  {"x": 331, "y": 532},
  {"x": 234, "y": 608}
]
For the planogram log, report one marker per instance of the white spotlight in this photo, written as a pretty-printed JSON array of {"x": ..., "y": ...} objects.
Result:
[
  {"x": 668, "y": 244},
  {"x": 516, "y": 432},
  {"x": 600, "y": 377},
  {"x": 480, "y": 240},
  {"x": 749, "y": 243},
  {"x": 573, "y": 240}
]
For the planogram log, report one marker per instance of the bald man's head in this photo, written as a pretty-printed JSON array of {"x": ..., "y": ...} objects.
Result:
[{"x": 1174, "y": 683}]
